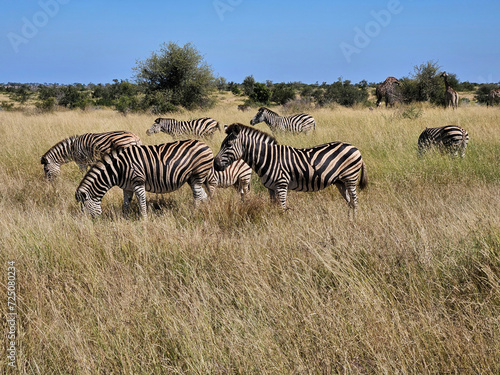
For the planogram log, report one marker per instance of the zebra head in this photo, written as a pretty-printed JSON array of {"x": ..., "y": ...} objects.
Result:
[
  {"x": 230, "y": 149},
  {"x": 51, "y": 169},
  {"x": 88, "y": 205},
  {"x": 155, "y": 128},
  {"x": 259, "y": 117}
]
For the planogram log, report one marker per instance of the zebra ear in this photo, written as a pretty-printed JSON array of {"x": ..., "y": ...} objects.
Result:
[
  {"x": 236, "y": 129},
  {"x": 43, "y": 160}
]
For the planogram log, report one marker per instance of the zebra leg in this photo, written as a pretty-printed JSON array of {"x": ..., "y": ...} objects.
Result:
[
  {"x": 281, "y": 192},
  {"x": 342, "y": 189},
  {"x": 272, "y": 195},
  {"x": 353, "y": 202},
  {"x": 140, "y": 193},
  {"x": 198, "y": 192},
  {"x": 127, "y": 197}
]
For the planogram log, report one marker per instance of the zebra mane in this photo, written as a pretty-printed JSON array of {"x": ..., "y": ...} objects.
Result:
[
  {"x": 268, "y": 110},
  {"x": 253, "y": 132}
]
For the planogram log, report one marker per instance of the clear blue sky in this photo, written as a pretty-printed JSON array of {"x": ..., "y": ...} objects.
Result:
[{"x": 69, "y": 41}]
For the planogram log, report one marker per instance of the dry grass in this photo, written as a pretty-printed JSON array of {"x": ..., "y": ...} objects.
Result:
[{"x": 412, "y": 287}]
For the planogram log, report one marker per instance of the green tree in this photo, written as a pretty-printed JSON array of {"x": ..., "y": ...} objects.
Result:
[
  {"x": 248, "y": 85},
  {"x": 176, "y": 74}
]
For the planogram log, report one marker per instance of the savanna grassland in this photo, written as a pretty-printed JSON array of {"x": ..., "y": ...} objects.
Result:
[{"x": 412, "y": 287}]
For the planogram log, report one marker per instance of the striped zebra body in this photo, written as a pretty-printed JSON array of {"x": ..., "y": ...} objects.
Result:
[
  {"x": 200, "y": 127},
  {"x": 238, "y": 175},
  {"x": 282, "y": 168},
  {"x": 451, "y": 138},
  {"x": 156, "y": 169},
  {"x": 84, "y": 150},
  {"x": 295, "y": 123}
]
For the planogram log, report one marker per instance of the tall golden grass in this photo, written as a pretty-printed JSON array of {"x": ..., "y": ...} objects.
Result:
[{"x": 412, "y": 287}]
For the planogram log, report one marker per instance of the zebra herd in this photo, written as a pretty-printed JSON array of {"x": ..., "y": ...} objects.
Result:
[{"x": 119, "y": 159}]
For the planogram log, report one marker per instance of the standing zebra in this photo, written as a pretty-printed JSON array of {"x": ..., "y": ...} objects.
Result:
[
  {"x": 84, "y": 150},
  {"x": 282, "y": 168},
  {"x": 451, "y": 138},
  {"x": 200, "y": 127},
  {"x": 295, "y": 123},
  {"x": 238, "y": 175},
  {"x": 157, "y": 169}
]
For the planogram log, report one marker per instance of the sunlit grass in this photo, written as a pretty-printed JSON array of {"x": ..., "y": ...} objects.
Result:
[{"x": 413, "y": 286}]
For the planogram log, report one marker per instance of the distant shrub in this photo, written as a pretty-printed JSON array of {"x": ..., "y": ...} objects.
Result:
[
  {"x": 261, "y": 94},
  {"x": 6, "y": 106},
  {"x": 412, "y": 112},
  {"x": 282, "y": 93},
  {"x": 47, "y": 105},
  {"x": 341, "y": 92}
]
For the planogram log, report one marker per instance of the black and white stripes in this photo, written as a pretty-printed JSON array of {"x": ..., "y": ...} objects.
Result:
[
  {"x": 200, "y": 127},
  {"x": 137, "y": 169},
  {"x": 84, "y": 150},
  {"x": 282, "y": 168},
  {"x": 295, "y": 123},
  {"x": 450, "y": 138}
]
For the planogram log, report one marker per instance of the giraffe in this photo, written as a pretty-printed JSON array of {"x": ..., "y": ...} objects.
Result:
[
  {"x": 493, "y": 96},
  {"x": 450, "y": 96},
  {"x": 386, "y": 90}
]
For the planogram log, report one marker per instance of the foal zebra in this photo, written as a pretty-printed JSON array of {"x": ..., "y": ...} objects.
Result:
[
  {"x": 238, "y": 175},
  {"x": 451, "y": 138},
  {"x": 84, "y": 150},
  {"x": 137, "y": 169},
  {"x": 295, "y": 123},
  {"x": 200, "y": 127},
  {"x": 282, "y": 168}
]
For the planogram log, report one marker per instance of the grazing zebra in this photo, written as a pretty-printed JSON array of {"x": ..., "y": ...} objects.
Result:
[
  {"x": 295, "y": 123},
  {"x": 451, "y": 138},
  {"x": 243, "y": 108},
  {"x": 238, "y": 175},
  {"x": 84, "y": 150},
  {"x": 137, "y": 169},
  {"x": 282, "y": 168},
  {"x": 200, "y": 127}
]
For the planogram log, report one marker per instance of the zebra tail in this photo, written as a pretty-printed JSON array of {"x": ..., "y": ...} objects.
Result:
[
  {"x": 363, "y": 180},
  {"x": 218, "y": 126}
]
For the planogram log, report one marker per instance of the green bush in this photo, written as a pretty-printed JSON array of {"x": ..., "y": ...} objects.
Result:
[
  {"x": 282, "y": 93},
  {"x": 47, "y": 105},
  {"x": 261, "y": 94},
  {"x": 341, "y": 92}
]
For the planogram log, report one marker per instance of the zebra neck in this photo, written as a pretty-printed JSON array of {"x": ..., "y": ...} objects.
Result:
[
  {"x": 258, "y": 155},
  {"x": 271, "y": 118},
  {"x": 62, "y": 152}
]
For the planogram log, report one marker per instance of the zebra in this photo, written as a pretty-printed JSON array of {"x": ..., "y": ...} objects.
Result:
[
  {"x": 282, "y": 168},
  {"x": 451, "y": 138},
  {"x": 199, "y": 127},
  {"x": 238, "y": 175},
  {"x": 157, "y": 168},
  {"x": 295, "y": 123},
  {"x": 84, "y": 150}
]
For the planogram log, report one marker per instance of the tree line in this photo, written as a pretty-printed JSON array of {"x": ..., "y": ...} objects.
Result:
[{"x": 178, "y": 77}]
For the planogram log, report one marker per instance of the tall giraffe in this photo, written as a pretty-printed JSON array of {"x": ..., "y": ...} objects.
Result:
[
  {"x": 450, "y": 96},
  {"x": 493, "y": 96},
  {"x": 386, "y": 90}
]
